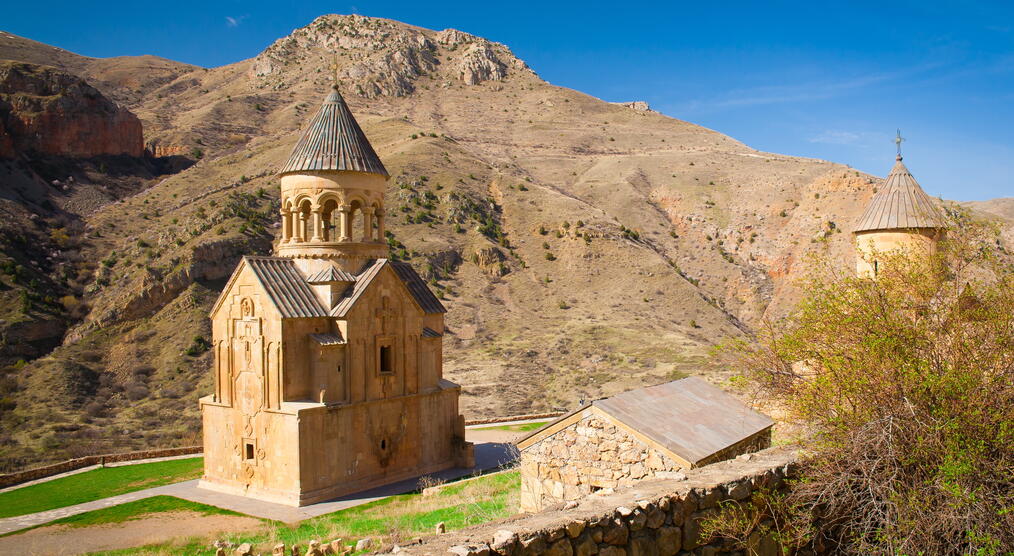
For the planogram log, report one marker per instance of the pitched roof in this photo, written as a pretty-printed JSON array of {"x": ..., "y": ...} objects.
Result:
[
  {"x": 430, "y": 333},
  {"x": 689, "y": 417},
  {"x": 900, "y": 205},
  {"x": 334, "y": 141},
  {"x": 329, "y": 275},
  {"x": 329, "y": 339},
  {"x": 413, "y": 282},
  {"x": 286, "y": 287},
  {"x": 418, "y": 288}
]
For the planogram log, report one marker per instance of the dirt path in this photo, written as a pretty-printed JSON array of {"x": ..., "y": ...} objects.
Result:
[{"x": 64, "y": 541}]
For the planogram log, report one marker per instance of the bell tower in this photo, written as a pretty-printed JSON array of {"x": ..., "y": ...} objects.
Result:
[
  {"x": 333, "y": 194},
  {"x": 901, "y": 216}
]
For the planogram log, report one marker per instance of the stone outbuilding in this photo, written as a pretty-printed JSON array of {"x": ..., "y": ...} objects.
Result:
[{"x": 649, "y": 433}]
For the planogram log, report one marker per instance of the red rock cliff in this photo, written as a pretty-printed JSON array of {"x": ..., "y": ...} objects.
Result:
[{"x": 47, "y": 111}]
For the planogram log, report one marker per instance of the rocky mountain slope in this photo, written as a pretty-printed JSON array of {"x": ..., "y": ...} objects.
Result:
[{"x": 581, "y": 247}]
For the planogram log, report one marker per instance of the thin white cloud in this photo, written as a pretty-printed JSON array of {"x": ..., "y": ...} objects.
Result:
[
  {"x": 851, "y": 138},
  {"x": 231, "y": 21}
]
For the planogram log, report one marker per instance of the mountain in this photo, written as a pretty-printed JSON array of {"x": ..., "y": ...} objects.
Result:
[{"x": 581, "y": 247}]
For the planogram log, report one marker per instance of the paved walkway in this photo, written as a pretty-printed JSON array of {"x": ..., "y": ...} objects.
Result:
[{"x": 489, "y": 455}]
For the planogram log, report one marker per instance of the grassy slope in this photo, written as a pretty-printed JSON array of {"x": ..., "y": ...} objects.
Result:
[
  {"x": 516, "y": 428},
  {"x": 395, "y": 518},
  {"x": 96, "y": 484}
]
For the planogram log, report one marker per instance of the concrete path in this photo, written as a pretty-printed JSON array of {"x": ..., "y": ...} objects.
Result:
[{"x": 489, "y": 456}]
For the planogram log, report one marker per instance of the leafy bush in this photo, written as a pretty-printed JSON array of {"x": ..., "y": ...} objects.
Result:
[{"x": 904, "y": 386}]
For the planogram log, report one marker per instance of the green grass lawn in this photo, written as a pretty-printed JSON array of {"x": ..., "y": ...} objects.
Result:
[
  {"x": 398, "y": 518},
  {"x": 517, "y": 428},
  {"x": 96, "y": 484}
]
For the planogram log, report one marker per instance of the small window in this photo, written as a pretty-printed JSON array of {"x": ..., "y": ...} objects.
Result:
[
  {"x": 386, "y": 360},
  {"x": 248, "y": 450},
  {"x": 383, "y": 444}
]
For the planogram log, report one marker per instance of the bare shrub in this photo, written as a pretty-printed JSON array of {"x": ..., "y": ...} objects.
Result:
[{"x": 904, "y": 386}]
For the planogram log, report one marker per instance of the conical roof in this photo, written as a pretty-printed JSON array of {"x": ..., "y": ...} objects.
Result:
[
  {"x": 900, "y": 205},
  {"x": 334, "y": 141}
]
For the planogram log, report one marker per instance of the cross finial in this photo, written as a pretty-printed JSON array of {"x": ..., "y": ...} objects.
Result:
[{"x": 898, "y": 139}]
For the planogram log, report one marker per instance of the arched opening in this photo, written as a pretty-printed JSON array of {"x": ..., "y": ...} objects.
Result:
[
  {"x": 329, "y": 219},
  {"x": 356, "y": 216},
  {"x": 304, "y": 222}
]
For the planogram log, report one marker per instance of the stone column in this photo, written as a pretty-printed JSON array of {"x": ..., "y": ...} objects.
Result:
[
  {"x": 286, "y": 225},
  {"x": 316, "y": 221},
  {"x": 344, "y": 234},
  {"x": 380, "y": 224},
  {"x": 367, "y": 224},
  {"x": 301, "y": 228}
]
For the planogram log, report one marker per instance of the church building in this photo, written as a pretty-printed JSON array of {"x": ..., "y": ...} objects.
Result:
[
  {"x": 328, "y": 356},
  {"x": 901, "y": 216}
]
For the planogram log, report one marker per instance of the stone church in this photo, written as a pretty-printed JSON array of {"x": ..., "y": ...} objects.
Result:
[
  {"x": 328, "y": 356},
  {"x": 901, "y": 216}
]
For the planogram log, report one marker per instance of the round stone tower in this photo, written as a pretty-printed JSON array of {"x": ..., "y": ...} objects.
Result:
[
  {"x": 333, "y": 194},
  {"x": 901, "y": 216}
]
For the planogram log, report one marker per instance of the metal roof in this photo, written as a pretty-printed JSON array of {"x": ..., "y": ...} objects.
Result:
[
  {"x": 430, "y": 333},
  {"x": 330, "y": 275},
  {"x": 334, "y": 141},
  {"x": 418, "y": 288},
  {"x": 688, "y": 417},
  {"x": 900, "y": 205},
  {"x": 329, "y": 339},
  {"x": 415, "y": 284},
  {"x": 286, "y": 287},
  {"x": 353, "y": 294}
]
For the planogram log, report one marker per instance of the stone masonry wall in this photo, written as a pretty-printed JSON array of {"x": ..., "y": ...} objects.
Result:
[
  {"x": 590, "y": 455},
  {"x": 651, "y": 518}
]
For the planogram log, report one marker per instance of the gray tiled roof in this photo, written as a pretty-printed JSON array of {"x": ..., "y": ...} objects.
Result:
[
  {"x": 689, "y": 417},
  {"x": 418, "y": 288},
  {"x": 330, "y": 275},
  {"x": 415, "y": 284},
  {"x": 329, "y": 339},
  {"x": 334, "y": 141},
  {"x": 430, "y": 333},
  {"x": 900, "y": 205},
  {"x": 286, "y": 287}
]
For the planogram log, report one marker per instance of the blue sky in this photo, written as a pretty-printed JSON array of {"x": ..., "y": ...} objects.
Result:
[{"x": 830, "y": 80}]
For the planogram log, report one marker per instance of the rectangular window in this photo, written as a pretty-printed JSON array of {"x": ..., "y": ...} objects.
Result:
[
  {"x": 386, "y": 360},
  {"x": 248, "y": 450}
]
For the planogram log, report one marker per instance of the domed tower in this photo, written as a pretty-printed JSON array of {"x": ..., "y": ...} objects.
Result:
[
  {"x": 900, "y": 216},
  {"x": 333, "y": 194}
]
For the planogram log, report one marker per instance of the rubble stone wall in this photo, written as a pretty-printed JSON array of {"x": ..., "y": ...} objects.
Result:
[{"x": 651, "y": 518}]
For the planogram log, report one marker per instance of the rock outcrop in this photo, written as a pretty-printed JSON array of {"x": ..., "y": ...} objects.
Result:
[
  {"x": 381, "y": 58},
  {"x": 43, "y": 110}
]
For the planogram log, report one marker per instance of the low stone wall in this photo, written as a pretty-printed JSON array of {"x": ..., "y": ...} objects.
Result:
[
  {"x": 18, "y": 477},
  {"x": 651, "y": 518}
]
